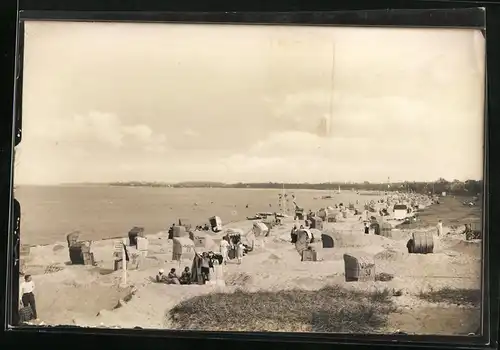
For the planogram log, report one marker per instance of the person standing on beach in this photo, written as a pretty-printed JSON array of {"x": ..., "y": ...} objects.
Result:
[
  {"x": 239, "y": 251},
  {"x": 27, "y": 294},
  {"x": 224, "y": 249},
  {"x": 439, "y": 228},
  {"x": 205, "y": 267},
  {"x": 293, "y": 234}
]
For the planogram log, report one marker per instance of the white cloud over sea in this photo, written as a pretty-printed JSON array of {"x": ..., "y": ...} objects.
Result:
[{"x": 402, "y": 103}]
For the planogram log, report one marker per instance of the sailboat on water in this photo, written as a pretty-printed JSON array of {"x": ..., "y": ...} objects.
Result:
[{"x": 283, "y": 202}]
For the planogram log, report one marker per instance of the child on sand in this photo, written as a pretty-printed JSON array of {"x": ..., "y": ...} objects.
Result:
[{"x": 439, "y": 228}]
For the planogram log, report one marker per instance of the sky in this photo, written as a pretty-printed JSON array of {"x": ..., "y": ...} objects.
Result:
[{"x": 249, "y": 103}]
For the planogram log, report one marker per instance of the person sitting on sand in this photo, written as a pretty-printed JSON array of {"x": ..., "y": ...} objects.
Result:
[
  {"x": 160, "y": 277},
  {"x": 367, "y": 228},
  {"x": 185, "y": 276},
  {"x": 172, "y": 277}
]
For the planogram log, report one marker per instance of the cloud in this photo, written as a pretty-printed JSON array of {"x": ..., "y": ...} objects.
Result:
[
  {"x": 292, "y": 156},
  {"x": 104, "y": 129},
  {"x": 191, "y": 133},
  {"x": 364, "y": 116}
]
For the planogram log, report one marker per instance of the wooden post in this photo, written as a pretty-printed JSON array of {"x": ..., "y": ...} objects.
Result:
[{"x": 124, "y": 264}]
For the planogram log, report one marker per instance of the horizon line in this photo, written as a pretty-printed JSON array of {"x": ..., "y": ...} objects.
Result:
[{"x": 239, "y": 183}]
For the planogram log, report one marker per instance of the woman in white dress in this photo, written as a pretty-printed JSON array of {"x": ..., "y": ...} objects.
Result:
[{"x": 224, "y": 249}]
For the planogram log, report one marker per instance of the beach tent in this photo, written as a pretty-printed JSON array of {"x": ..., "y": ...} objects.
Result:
[
  {"x": 202, "y": 240},
  {"x": 183, "y": 248},
  {"x": 260, "y": 229}
]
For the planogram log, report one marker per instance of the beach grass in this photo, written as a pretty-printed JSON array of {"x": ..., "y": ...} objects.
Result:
[
  {"x": 330, "y": 309},
  {"x": 459, "y": 296}
]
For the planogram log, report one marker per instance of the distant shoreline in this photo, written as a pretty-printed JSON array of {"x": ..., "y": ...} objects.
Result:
[{"x": 467, "y": 188}]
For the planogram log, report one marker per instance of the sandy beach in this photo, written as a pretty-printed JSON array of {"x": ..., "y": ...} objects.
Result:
[{"x": 92, "y": 295}]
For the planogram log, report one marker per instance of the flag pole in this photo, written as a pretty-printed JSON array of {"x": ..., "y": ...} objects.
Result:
[{"x": 124, "y": 264}]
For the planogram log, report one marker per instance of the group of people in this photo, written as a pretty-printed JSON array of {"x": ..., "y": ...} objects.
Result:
[
  {"x": 203, "y": 264},
  {"x": 227, "y": 244},
  {"x": 294, "y": 234},
  {"x": 172, "y": 278}
]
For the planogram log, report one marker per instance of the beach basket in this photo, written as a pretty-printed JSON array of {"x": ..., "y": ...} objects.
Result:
[
  {"x": 76, "y": 255},
  {"x": 142, "y": 243},
  {"x": 421, "y": 243},
  {"x": 344, "y": 214},
  {"x": 359, "y": 267},
  {"x": 72, "y": 238},
  {"x": 385, "y": 229},
  {"x": 327, "y": 240},
  {"x": 24, "y": 250},
  {"x": 260, "y": 229},
  {"x": 317, "y": 223},
  {"x": 180, "y": 231},
  {"x": 80, "y": 254},
  {"x": 302, "y": 241},
  {"x": 88, "y": 258},
  {"x": 134, "y": 233},
  {"x": 331, "y": 217},
  {"x": 183, "y": 248},
  {"x": 231, "y": 253},
  {"x": 215, "y": 223},
  {"x": 204, "y": 241},
  {"x": 186, "y": 223},
  {"x": 309, "y": 255},
  {"x": 323, "y": 214}
]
